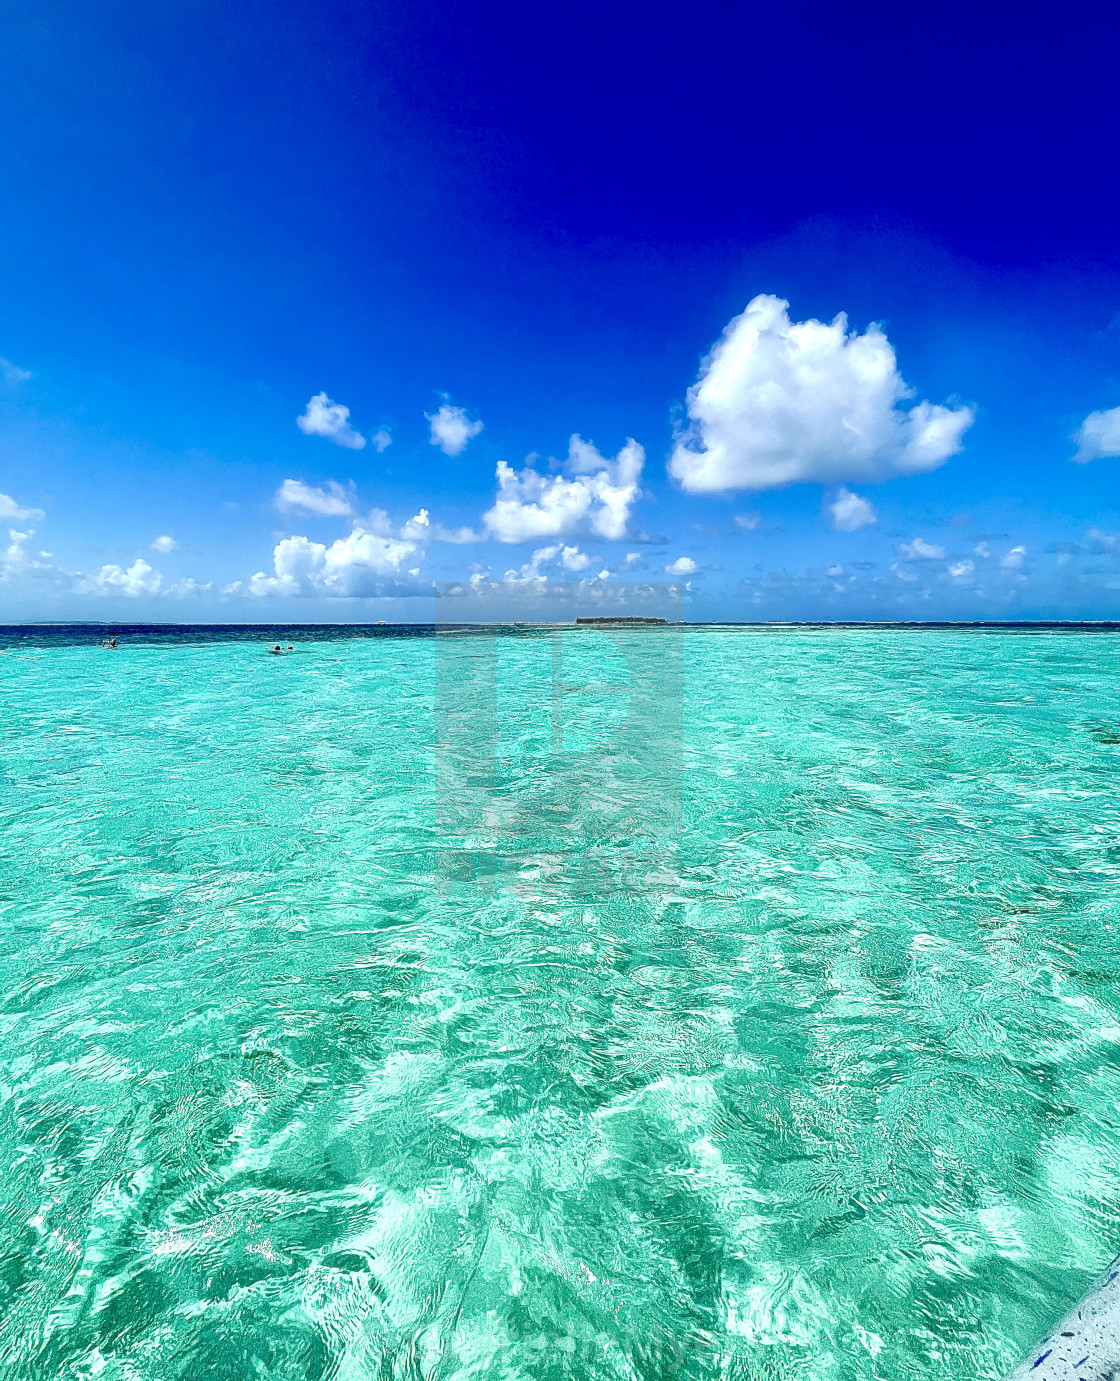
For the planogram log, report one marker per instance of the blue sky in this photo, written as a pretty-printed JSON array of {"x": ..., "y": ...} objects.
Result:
[{"x": 302, "y": 307}]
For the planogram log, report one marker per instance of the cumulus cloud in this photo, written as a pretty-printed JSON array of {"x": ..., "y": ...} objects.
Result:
[
  {"x": 187, "y": 588},
  {"x": 592, "y": 492},
  {"x": 35, "y": 573},
  {"x": 1103, "y": 543},
  {"x": 331, "y": 501},
  {"x": 367, "y": 562},
  {"x": 137, "y": 579},
  {"x": 683, "y": 565},
  {"x": 782, "y": 402},
  {"x": 330, "y": 420},
  {"x": 451, "y": 429},
  {"x": 917, "y": 550},
  {"x": 381, "y": 440},
  {"x": 164, "y": 544},
  {"x": 418, "y": 528},
  {"x": 375, "y": 558},
  {"x": 1098, "y": 436},
  {"x": 961, "y": 570},
  {"x": 569, "y": 557},
  {"x": 850, "y": 512},
  {"x": 1015, "y": 559},
  {"x": 9, "y": 509},
  {"x": 572, "y": 559},
  {"x": 293, "y": 560},
  {"x": 11, "y": 373},
  {"x": 421, "y": 529},
  {"x": 749, "y": 521},
  {"x": 19, "y": 564}
]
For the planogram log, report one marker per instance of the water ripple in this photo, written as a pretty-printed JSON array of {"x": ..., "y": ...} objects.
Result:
[{"x": 705, "y": 1005}]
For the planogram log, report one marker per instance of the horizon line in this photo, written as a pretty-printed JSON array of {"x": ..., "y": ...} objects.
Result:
[{"x": 1010, "y": 624}]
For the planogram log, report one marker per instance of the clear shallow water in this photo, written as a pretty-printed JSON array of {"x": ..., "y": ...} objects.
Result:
[{"x": 647, "y": 1005}]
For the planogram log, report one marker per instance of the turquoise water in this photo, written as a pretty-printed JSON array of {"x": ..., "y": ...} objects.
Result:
[{"x": 664, "y": 1004}]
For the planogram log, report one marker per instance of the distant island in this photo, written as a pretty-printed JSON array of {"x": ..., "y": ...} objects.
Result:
[{"x": 629, "y": 618}]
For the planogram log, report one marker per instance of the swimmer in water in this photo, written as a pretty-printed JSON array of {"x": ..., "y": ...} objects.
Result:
[
  {"x": 109, "y": 642},
  {"x": 276, "y": 651}
]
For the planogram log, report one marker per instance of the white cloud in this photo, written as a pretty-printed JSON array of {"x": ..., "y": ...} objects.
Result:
[
  {"x": 982, "y": 550},
  {"x": 164, "y": 544},
  {"x": 362, "y": 563},
  {"x": 452, "y": 429},
  {"x": 1098, "y": 436},
  {"x": 293, "y": 561},
  {"x": 421, "y": 529},
  {"x": 531, "y": 570},
  {"x": 372, "y": 560},
  {"x": 18, "y": 564},
  {"x": 571, "y": 558},
  {"x": 331, "y": 501},
  {"x": 418, "y": 528},
  {"x": 593, "y": 492},
  {"x": 137, "y": 579},
  {"x": 633, "y": 559},
  {"x": 1103, "y": 543},
  {"x": 11, "y": 373},
  {"x": 184, "y": 589},
  {"x": 35, "y": 573},
  {"x": 322, "y": 417},
  {"x": 350, "y": 561},
  {"x": 917, "y": 550},
  {"x": 15, "y": 555},
  {"x": 747, "y": 520},
  {"x": 782, "y": 402},
  {"x": 9, "y": 509},
  {"x": 851, "y": 511},
  {"x": 381, "y": 440},
  {"x": 1015, "y": 559},
  {"x": 683, "y": 565},
  {"x": 961, "y": 570}
]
